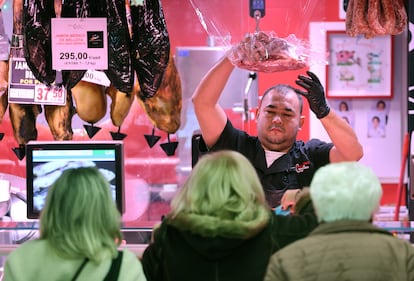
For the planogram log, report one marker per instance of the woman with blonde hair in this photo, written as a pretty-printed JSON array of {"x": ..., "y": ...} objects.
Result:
[
  {"x": 220, "y": 226},
  {"x": 79, "y": 235}
]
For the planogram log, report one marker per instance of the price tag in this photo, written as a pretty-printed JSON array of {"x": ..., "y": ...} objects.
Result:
[
  {"x": 50, "y": 95},
  {"x": 97, "y": 77},
  {"x": 79, "y": 43},
  {"x": 25, "y": 88}
]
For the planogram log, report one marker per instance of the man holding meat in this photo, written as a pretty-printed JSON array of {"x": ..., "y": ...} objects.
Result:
[{"x": 282, "y": 162}]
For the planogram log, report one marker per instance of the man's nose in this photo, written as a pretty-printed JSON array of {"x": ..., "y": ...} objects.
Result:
[{"x": 277, "y": 119}]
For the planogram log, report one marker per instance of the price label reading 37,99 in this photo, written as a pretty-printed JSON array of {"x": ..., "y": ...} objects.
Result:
[
  {"x": 50, "y": 95},
  {"x": 79, "y": 43}
]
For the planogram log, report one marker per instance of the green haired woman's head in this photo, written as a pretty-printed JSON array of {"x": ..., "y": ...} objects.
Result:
[
  {"x": 223, "y": 184},
  {"x": 80, "y": 218}
]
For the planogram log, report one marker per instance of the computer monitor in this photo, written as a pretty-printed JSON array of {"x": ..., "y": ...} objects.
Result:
[{"x": 46, "y": 160}]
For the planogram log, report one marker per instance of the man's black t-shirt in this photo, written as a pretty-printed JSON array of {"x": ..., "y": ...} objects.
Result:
[{"x": 293, "y": 170}]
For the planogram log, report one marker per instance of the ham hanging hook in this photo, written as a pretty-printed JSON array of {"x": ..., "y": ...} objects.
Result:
[{"x": 257, "y": 17}]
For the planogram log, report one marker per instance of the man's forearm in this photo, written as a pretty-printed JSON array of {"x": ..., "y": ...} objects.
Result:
[{"x": 344, "y": 138}]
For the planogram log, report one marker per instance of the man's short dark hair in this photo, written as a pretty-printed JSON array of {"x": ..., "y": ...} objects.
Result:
[{"x": 284, "y": 89}]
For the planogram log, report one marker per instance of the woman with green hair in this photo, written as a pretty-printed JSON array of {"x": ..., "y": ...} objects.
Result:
[
  {"x": 79, "y": 235},
  {"x": 220, "y": 226}
]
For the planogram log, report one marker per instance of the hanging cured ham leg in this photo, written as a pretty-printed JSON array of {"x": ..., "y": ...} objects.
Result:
[
  {"x": 151, "y": 56},
  {"x": 150, "y": 45},
  {"x": 90, "y": 103},
  {"x": 3, "y": 105},
  {"x": 23, "y": 119},
  {"x": 164, "y": 108},
  {"x": 160, "y": 85},
  {"x": 119, "y": 71},
  {"x": 59, "y": 117},
  {"x": 120, "y": 104},
  {"x": 37, "y": 15},
  {"x": 22, "y": 116},
  {"x": 121, "y": 93}
]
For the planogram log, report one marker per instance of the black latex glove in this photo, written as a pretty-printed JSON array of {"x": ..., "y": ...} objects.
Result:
[{"x": 315, "y": 94}]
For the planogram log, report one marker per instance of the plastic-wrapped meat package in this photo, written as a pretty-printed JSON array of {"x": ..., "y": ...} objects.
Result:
[{"x": 265, "y": 52}]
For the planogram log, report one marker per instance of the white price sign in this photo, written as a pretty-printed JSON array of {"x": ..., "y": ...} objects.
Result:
[
  {"x": 97, "y": 77},
  {"x": 79, "y": 43},
  {"x": 50, "y": 95}
]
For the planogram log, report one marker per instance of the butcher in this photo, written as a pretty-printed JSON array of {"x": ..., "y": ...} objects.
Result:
[{"x": 282, "y": 162}]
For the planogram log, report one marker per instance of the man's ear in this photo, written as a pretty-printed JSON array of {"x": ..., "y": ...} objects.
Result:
[{"x": 301, "y": 121}]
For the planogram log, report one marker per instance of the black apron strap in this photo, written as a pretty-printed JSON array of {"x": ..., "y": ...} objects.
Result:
[
  {"x": 115, "y": 268},
  {"x": 80, "y": 269}
]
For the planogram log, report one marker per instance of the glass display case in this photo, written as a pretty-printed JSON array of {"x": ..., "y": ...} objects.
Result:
[{"x": 16, "y": 228}]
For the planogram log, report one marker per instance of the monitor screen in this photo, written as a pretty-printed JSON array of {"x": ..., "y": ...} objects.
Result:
[{"x": 45, "y": 162}]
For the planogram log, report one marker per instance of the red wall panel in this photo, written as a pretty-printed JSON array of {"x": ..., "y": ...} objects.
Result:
[{"x": 232, "y": 16}]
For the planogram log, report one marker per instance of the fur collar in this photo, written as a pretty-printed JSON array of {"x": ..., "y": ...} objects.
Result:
[{"x": 209, "y": 226}]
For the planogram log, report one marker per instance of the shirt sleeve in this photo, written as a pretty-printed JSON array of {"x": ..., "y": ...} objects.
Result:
[
  {"x": 234, "y": 139},
  {"x": 225, "y": 141},
  {"x": 318, "y": 152},
  {"x": 228, "y": 138}
]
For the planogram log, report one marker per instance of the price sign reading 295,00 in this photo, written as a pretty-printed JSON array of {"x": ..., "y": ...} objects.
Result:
[
  {"x": 79, "y": 43},
  {"x": 50, "y": 95},
  {"x": 73, "y": 56}
]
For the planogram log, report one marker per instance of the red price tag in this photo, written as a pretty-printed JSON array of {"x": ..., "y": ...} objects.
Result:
[{"x": 50, "y": 95}]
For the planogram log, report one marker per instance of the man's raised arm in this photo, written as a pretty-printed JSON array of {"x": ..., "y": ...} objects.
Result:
[
  {"x": 346, "y": 144},
  {"x": 210, "y": 115}
]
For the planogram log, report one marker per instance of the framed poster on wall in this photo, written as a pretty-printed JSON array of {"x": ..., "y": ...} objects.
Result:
[
  {"x": 358, "y": 67},
  {"x": 385, "y": 162}
]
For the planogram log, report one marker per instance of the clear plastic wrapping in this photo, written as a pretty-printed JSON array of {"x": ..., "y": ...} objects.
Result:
[
  {"x": 263, "y": 49},
  {"x": 265, "y": 52}
]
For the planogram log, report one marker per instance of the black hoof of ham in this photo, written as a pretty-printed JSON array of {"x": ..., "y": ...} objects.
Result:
[
  {"x": 169, "y": 147},
  {"x": 117, "y": 136},
  {"x": 152, "y": 139},
  {"x": 91, "y": 130},
  {"x": 20, "y": 151}
]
